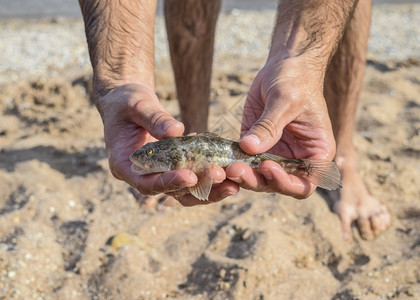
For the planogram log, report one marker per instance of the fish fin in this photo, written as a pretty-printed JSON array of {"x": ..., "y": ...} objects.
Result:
[
  {"x": 208, "y": 133},
  {"x": 178, "y": 193},
  {"x": 273, "y": 157},
  {"x": 321, "y": 172},
  {"x": 204, "y": 172}
]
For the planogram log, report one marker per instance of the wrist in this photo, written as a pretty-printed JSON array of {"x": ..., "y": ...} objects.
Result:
[
  {"x": 310, "y": 28},
  {"x": 303, "y": 69},
  {"x": 105, "y": 81},
  {"x": 122, "y": 97},
  {"x": 297, "y": 47}
]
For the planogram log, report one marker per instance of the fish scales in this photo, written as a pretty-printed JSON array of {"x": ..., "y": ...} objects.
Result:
[
  {"x": 214, "y": 149},
  {"x": 198, "y": 153}
]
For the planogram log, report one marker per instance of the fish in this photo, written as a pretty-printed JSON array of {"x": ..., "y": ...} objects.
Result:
[{"x": 199, "y": 152}]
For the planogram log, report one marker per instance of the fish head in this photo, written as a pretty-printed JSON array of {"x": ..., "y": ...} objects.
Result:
[{"x": 151, "y": 158}]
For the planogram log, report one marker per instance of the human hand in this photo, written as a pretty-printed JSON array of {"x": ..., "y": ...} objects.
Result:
[
  {"x": 285, "y": 113},
  {"x": 133, "y": 116}
]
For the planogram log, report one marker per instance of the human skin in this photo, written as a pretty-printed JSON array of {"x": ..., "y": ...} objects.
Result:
[
  {"x": 285, "y": 111},
  {"x": 303, "y": 59},
  {"x": 352, "y": 203},
  {"x": 191, "y": 25},
  {"x": 344, "y": 72},
  {"x": 120, "y": 37}
]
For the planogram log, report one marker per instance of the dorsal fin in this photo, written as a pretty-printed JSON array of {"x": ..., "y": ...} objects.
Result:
[{"x": 209, "y": 134}]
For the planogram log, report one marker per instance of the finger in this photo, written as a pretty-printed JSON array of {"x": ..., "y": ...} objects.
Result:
[
  {"x": 268, "y": 129},
  {"x": 246, "y": 177},
  {"x": 149, "y": 113},
  {"x": 219, "y": 174},
  {"x": 218, "y": 193},
  {"x": 153, "y": 184},
  {"x": 283, "y": 183},
  {"x": 184, "y": 194},
  {"x": 365, "y": 228}
]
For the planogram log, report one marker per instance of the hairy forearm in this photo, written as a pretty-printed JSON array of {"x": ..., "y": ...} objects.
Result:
[
  {"x": 120, "y": 36},
  {"x": 310, "y": 27}
]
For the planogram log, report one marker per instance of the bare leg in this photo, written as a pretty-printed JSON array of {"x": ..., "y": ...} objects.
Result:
[
  {"x": 342, "y": 89},
  {"x": 191, "y": 25}
]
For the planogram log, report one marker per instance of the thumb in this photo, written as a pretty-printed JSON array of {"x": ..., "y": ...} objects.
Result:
[
  {"x": 266, "y": 131},
  {"x": 152, "y": 116}
]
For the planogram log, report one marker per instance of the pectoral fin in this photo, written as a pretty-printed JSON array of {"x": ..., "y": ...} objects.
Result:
[{"x": 204, "y": 173}]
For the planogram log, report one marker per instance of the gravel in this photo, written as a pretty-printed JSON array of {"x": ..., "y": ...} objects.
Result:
[{"x": 57, "y": 47}]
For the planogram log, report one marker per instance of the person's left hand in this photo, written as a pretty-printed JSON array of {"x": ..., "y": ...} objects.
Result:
[{"x": 285, "y": 113}]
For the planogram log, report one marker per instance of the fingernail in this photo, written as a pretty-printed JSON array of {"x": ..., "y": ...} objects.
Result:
[
  {"x": 169, "y": 124},
  {"x": 253, "y": 139},
  {"x": 345, "y": 235},
  {"x": 236, "y": 179},
  {"x": 191, "y": 179},
  {"x": 227, "y": 193},
  {"x": 267, "y": 174},
  {"x": 218, "y": 172}
]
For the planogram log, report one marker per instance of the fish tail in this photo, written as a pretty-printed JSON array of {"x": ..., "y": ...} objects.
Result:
[{"x": 321, "y": 172}]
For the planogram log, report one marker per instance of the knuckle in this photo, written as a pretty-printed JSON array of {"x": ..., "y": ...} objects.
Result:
[
  {"x": 300, "y": 196},
  {"x": 141, "y": 105},
  {"x": 186, "y": 201},
  {"x": 142, "y": 190},
  {"x": 290, "y": 97},
  {"x": 267, "y": 126},
  {"x": 156, "y": 118},
  {"x": 145, "y": 189}
]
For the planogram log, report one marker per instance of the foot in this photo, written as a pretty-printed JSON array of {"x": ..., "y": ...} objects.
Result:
[{"x": 353, "y": 203}]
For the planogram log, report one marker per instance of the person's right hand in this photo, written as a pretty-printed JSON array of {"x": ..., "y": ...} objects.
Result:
[{"x": 133, "y": 116}]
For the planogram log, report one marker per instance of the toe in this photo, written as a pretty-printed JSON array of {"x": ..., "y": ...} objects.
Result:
[
  {"x": 346, "y": 227},
  {"x": 377, "y": 224},
  {"x": 385, "y": 218},
  {"x": 365, "y": 228}
]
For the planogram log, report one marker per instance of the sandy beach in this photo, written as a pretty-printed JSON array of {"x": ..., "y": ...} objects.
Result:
[{"x": 69, "y": 230}]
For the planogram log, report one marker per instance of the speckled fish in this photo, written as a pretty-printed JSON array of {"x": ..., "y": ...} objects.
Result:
[{"x": 199, "y": 152}]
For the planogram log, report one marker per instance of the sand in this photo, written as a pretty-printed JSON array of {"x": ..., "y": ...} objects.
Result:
[{"x": 69, "y": 230}]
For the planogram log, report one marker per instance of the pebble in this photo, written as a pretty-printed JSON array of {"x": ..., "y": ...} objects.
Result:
[
  {"x": 225, "y": 286},
  {"x": 230, "y": 231},
  {"x": 246, "y": 234},
  {"x": 46, "y": 47},
  {"x": 124, "y": 238}
]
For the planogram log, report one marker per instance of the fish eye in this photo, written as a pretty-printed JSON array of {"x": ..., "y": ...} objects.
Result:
[{"x": 149, "y": 152}]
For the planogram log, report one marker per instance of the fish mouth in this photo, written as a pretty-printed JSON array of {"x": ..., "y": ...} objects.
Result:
[
  {"x": 132, "y": 158},
  {"x": 138, "y": 170}
]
